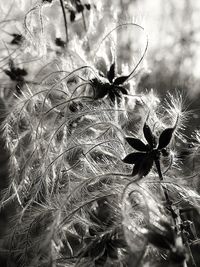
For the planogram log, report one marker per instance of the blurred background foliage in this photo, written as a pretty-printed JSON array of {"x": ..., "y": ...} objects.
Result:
[{"x": 173, "y": 55}]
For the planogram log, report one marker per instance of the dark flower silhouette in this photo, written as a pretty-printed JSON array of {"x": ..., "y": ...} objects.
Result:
[
  {"x": 59, "y": 42},
  {"x": 112, "y": 87},
  {"x": 17, "y": 39},
  {"x": 17, "y": 75},
  {"x": 150, "y": 152}
]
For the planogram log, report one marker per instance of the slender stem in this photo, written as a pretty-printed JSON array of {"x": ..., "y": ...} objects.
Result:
[
  {"x": 65, "y": 20},
  {"x": 175, "y": 217},
  {"x": 193, "y": 264},
  {"x": 84, "y": 23},
  {"x": 169, "y": 203}
]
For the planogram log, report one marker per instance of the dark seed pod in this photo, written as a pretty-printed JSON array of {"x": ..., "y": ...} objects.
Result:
[
  {"x": 15, "y": 74},
  {"x": 72, "y": 16},
  {"x": 20, "y": 72},
  {"x": 79, "y": 7},
  {"x": 17, "y": 39},
  {"x": 60, "y": 42},
  {"x": 88, "y": 6}
]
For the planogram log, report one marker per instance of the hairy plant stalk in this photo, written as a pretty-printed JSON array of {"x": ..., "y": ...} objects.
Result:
[
  {"x": 84, "y": 22},
  {"x": 193, "y": 264},
  {"x": 175, "y": 217},
  {"x": 65, "y": 20},
  {"x": 168, "y": 201}
]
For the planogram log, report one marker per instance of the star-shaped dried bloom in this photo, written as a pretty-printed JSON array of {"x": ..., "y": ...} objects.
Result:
[
  {"x": 112, "y": 86},
  {"x": 148, "y": 153}
]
